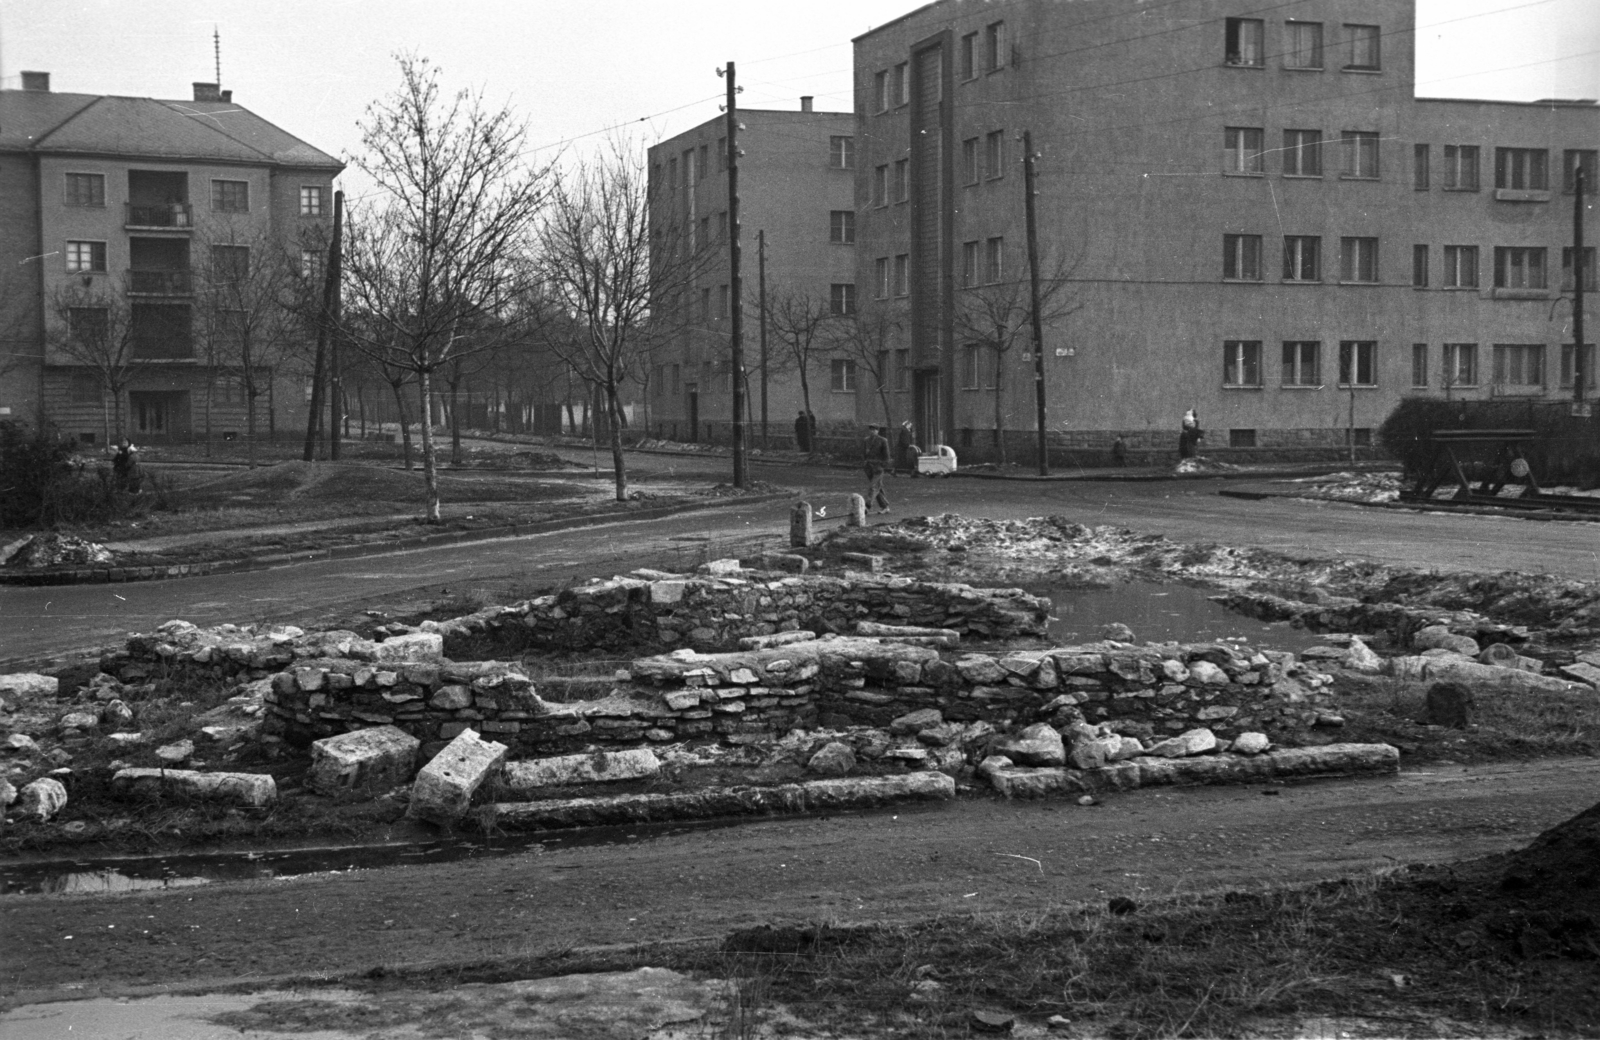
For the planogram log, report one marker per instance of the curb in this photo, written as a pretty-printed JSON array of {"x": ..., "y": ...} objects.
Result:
[
  {"x": 1417, "y": 507},
  {"x": 1109, "y": 477},
  {"x": 154, "y": 572}
]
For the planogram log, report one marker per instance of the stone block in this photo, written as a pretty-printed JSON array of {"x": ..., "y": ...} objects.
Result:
[
  {"x": 1207, "y": 674},
  {"x": 916, "y": 721},
  {"x": 452, "y": 698},
  {"x": 1449, "y": 704},
  {"x": 1037, "y": 745},
  {"x": 980, "y": 670},
  {"x": 41, "y": 798},
  {"x": 1439, "y": 637},
  {"x": 776, "y": 639},
  {"x": 862, "y": 561},
  {"x": 253, "y": 790},
  {"x": 412, "y": 646},
  {"x": 1360, "y": 658},
  {"x": 19, "y": 685},
  {"x": 1033, "y": 783},
  {"x": 856, "y": 515},
  {"x": 793, "y": 563},
  {"x": 594, "y": 768},
  {"x": 832, "y": 759},
  {"x": 79, "y": 720},
  {"x": 1094, "y": 753},
  {"x": 1189, "y": 742},
  {"x": 1581, "y": 671},
  {"x": 366, "y": 761},
  {"x": 801, "y": 533},
  {"x": 720, "y": 568},
  {"x": 1250, "y": 743},
  {"x": 442, "y": 792},
  {"x": 176, "y": 752}
]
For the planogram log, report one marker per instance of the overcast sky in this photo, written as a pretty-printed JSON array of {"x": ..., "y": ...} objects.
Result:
[{"x": 572, "y": 68}]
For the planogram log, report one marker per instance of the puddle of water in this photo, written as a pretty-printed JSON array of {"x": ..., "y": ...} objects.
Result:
[{"x": 1160, "y": 613}]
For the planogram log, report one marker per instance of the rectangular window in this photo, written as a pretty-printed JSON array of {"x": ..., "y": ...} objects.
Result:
[
  {"x": 722, "y": 301},
  {"x": 705, "y": 305},
  {"x": 1241, "y": 41},
  {"x": 880, "y": 280},
  {"x": 1358, "y": 357},
  {"x": 842, "y": 376},
  {"x": 1587, "y": 159},
  {"x": 1518, "y": 267},
  {"x": 86, "y": 189},
  {"x": 84, "y": 257},
  {"x": 672, "y": 174},
  {"x": 902, "y": 371},
  {"x": 971, "y": 367},
  {"x": 1419, "y": 364},
  {"x": 1302, "y": 153},
  {"x": 994, "y": 154},
  {"x": 311, "y": 200},
  {"x": 842, "y": 152},
  {"x": 705, "y": 232},
  {"x": 1589, "y": 284},
  {"x": 230, "y": 196},
  {"x": 1460, "y": 167},
  {"x": 1363, "y": 47},
  {"x": 842, "y": 227},
  {"x": 880, "y": 90},
  {"x": 1522, "y": 169},
  {"x": 312, "y": 265},
  {"x": 880, "y": 185},
  {"x": 1358, "y": 260},
  {"x": 968, "y": 55},
  {"x": 1588, "y": 365},
  {"x": 902, "y": 274},
  {"x": 994, "y": 46},
  {"x": 1460, "y": 267},
  {"x": 1241, "y": 362},
  {"x": 1241, "y": 258},
  {"x": 1302, "y": 258},
  {"x": 902, "y": 179},
  {"x": 1302, "y": 45},
  {"x": 1360, "y": 154},
  {"x": 230, "y": 264},
  {"x": 1302, "y": 363},
  {"x": 722, "y": 223},
  {"x": 1421, "y": 155},
  {"x": 690, "y": 175},
  {"x": 842, "y": 298},
  {"x": 993, "y": 254},
  {"x": 1419, "y": 267},
  {"x": 705, "y": 161},
  {"x": 969, "y": 264},
  {"x": 969, "y": 161},
  {"x": 1241, "y": 150},
  {"x": 1460, "y": 366},
  {"x": 1519, "y": 365}
]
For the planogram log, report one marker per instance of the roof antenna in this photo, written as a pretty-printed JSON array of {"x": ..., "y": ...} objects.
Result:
[{"x": 216, "y": 47}]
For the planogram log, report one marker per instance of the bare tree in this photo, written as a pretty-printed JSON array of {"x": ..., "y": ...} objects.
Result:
[
  {"x": 95, "y": 328},
  {"x": 799, "y": 322},
  {"x": 431, "y": 261},
  {"x": 865, "y": 337}
]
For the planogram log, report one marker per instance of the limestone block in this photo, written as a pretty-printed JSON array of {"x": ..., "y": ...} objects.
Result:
[
  {"x": 916, "y": 721},
  {"x": 992, "y": 763},
  {"x": 1581, "y": 671},
  {"x": 1037, "y": 745},
  {"x": 870, "y": 562},
  {"x": 8, "y": 794},
  {"x": 1127, "y": 747},
  {"x": 1174, "y": 671},
  {"x": 1034, "y": 783},
  {"x": 28, "y": 684},
  {"x": 1250, "y": 743},
  {"x": 308, "y": 679},
  {"x": 255, "y": 790},
  {"x": 1360, "y": 658},
  {"x": 857, "y": 515},
  {"x": 1449, "y": 704},
  {"x": 980, "y": 670},
  {"x": 720, "y": 568},
  {"x": 832, "y": 759},
  {"x": 443, "y": 789},
  {"x": 1440, "y": 637},
  {"x": 116, "y": 713},
  {"x": 1094, "y": 753},
  {"x": 1207, "y": 674},
  {"x": 175, "y": 752},
  {"x": 794, "y": 563},
  {"x": 568, "y": 770},
  {"x": 776, "y": 639},
  {"x": 412, "y": 646},
  {"x": 42, "y": 798},
  {"x": 371, "y": 760},
  {"x": 1503, "y": 654},
  {"x": 1189, "y": 742},
  {"x": 79, "y": 720},
  {"x": 801, "y": 533}
]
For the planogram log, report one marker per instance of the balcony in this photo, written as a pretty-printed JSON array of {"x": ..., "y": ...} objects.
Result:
[
  {"x": 167, "y": 216},
  {"x": 161, "y": 281}
]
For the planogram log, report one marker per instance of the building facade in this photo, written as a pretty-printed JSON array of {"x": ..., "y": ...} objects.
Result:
[
  {"x": 1243, "y": 211},
  {"x": 796, "y": 199},
  {"x": 140, "y": 238}
]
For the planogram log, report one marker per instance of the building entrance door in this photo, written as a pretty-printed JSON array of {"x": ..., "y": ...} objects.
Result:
[
  {"x": 693, "y": 409},
  {"x": 162, "y": 416}
]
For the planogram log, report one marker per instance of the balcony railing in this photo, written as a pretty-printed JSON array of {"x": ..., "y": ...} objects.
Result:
[
  {"x": 174, "y": 215},
  {"x": 164, "y": 281}
]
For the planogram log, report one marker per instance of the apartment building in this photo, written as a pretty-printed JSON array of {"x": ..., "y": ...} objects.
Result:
[
  {"x": 1244, "y": 211},
  {"x": 130, "y": 229},
  {"x": 796, "y": 194}
]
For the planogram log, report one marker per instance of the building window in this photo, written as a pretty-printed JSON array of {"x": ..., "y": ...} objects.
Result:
[
  {"x": 968, "y": 55},
  {"x": 971, "y": 367},
  {"x": 1358, "y": 357},
  {"x": 880, "y": 185},
  {"x": 880, "y": 279},
  {"x": 880, "y": 90},
  {"x": 993, "y": 254},
  {"x": 842, "y": 297},
  {"x": 1566, "y": 365},
  {"x": 969, "y": 264},
  {"x": 1358, "y": 260},
  {"x": 1519, "y": 365},
  {"x": 722, "y": 223},
  {"x": 690, "y": 175},
  {"x": 842, "y": 375},
  {"x": 1363, "y": 47},
  {"x": 1460, "y": 167},
  {"x": 1360, "y": 155},
  {"x": 902, "y": 371},
  {"x": 902, "y": 179},
  {"x": 230, "y": 196},
  {"x": 86, "y": 189},
  {"x": 722, "y": 301},
  {"x": 1419, "y": 364},
  {"x": 842, "y": 152},
  {"x": 1589, "y": 284},
  {"x": 1241, "y": 150},
  {"x": 1522, "y": 169},
  {"x": 1302, "y": 363},
  {"x": 1460, "y": 366},
  {"x": 902, "y": 274},
  {"x": 86, "y": 257},
  {"x": 311, "y": 200},
  {"x": 994, "y": 46},
  {"x": 1518, "y": 267},
  {"x": 1241, "y": 258},
  {"x": 705, "y": 232},
  {"x": 1572, "y": 161},
  {"x": 900, "y": 86},
  {"x": 1460, "y": 267},
  {"x": 994, "y": 154},
  {"x": 1241, "y": 41},
  {"x": 1302, "y": 153},
  {"x": 705, "y": 304},
  {"x": 1420, "y": 157},
  {"x": 1302, "y": 258},
  {"x": 1241, "y": 362},
  {"x": 1419, "y": 267},
  {"x": 230, "y": 264},
  {"x": 1302, "y": 45},
  {"x": 969, "y": 161},
  {"x": 311, "y": 265},
  {"x": 84, "y": 388},
  {"x": 89, "y": 327},
  {"x": 672, "y": 174},
  {"x": 705, "y": 162},
  {"x": 842, "y": 227}
]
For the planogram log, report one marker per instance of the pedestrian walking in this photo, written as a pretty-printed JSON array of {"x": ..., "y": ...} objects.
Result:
[
  {"x": 802, "y": 432},
  {"x": 1189, "y": 435},
  {"x": 875, "y": 460},
  {"x": 125, "y": 467},
  {"x": 906, "y": 449}
]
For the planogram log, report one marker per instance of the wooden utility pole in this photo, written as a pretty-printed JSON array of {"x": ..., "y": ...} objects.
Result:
[
  {"x": 335, "y": 310},
  {"x": 735, "y": 303},
  {"x": 1578, "y": 366},
  {"x": 1033, "y": 300},
  {"x": 761, "y": 305},
  {"x": 330, "y": 288}
]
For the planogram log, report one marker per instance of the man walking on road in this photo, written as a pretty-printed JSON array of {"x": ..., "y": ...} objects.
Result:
[{"x": 875, "y": 459}]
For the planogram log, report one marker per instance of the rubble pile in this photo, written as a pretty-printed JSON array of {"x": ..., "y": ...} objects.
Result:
[{"x": 56, "y": 550}]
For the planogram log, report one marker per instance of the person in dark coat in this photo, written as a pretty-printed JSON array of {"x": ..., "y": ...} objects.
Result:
[
  {"x": 906, "y": 449},
  {"x": 1189, "y": 435},
  {"x": 125, "y": 467},
  {"x": 875, "y": 460},
  {"x": 802, "y": 432}
]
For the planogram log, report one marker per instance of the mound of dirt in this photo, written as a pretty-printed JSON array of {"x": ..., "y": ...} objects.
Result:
[
  {"x": 1549, "y": 893},
  {"x": 58, "y": 550}
]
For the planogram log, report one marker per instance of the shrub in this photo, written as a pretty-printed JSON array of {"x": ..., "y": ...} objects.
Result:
[
  {"x": 33, "y": 462},
  {"x": 1564, "y": 450}
]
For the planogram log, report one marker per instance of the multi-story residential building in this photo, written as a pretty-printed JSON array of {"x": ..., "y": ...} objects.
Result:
[
  {"x": 130, "y": 229},
  {"x": 1242, "y": 210},
  {"x": 796, "y": 184}
]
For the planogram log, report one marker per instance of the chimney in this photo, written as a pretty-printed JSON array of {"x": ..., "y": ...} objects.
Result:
[
  {"x": 36, "y": 81},
  {"x": 805, "y": 102},
  {"x": 227, "y": 95},
  {"x": 207, "y": 92}
]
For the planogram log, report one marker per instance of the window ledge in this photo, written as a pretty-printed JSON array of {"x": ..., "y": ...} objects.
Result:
[
  {"x": 1362, "y": 70},
  {"x": 1302, "y": 281},
  {"x": 1521, "y": 195},
  {"x": 1359, "y": 386},
  {"x": 1302, "y": 386},
  {"x": 1242, "y": 386},
  {"x": 1237, "y": 173},
  {"x": 1302, "y": 177},
  {"x": 1241, "y": 281},
  {"x": 1257, "y": 65},
  {"x": 1459, "y": 288},
  {"x": 1468, "y": 191},
  {"x": 1362, "y": 285},
  {"x": 1357, "y": 177},
  {"x": 1501, "y": 293},
  {"x": 1305, "y": 68}
]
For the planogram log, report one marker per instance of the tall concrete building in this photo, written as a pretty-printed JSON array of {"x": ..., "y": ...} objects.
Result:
[
  {"x": 796, "y": 185},
  {"x": 1242, "y": 210},
  {"x": 120, "y": 218}
]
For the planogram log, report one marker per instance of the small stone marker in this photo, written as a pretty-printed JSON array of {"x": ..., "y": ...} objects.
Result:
[
  {"x": 858, "y": 512},
  {"x": 368, "y": 760},
  {"x": 863, "y": 561},
  {"x": 1449, "y": 704},
  {"x": 800, "y": 532},
  {"x": 444, "y": 788}
]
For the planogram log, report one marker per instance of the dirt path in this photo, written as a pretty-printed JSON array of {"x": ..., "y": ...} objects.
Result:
[{"x": 971, "y": 856}]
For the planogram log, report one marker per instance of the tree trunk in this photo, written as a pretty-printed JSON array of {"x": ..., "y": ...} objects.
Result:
[
  {"x": 405, "y": 425},
  {"x": 455, "y": 426},
  {"x": 361, "y": 406},
  {"x": 430, "y": 476},
  {"x": 250, "y": 426},
  {"x": 211, "y": 383},
  {"x": 999, "y": 421},
  {"x": 614, "y": 409}
]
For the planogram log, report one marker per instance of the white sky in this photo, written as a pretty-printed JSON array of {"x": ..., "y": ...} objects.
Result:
[{"x": 572, "y": 67}]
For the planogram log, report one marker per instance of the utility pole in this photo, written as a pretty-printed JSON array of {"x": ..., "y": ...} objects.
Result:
[
  {"x": 1578, "y": 367},
  {"x": 330, "y": 287},
  {"x": 1033, "y": 300},
  {"x": 761, "y": 274},
  {"x": 736, "y": 312},
  {"x": 335, "y": 310}
]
